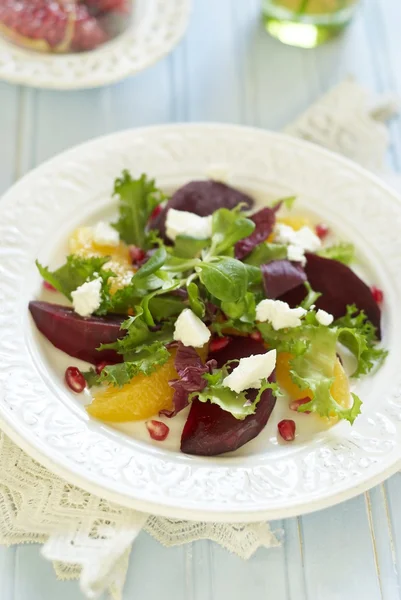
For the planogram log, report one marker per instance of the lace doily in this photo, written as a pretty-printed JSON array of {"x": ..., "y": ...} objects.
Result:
[{"x": 89, "y": 538}]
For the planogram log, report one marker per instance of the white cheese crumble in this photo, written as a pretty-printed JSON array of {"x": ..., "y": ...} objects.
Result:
[
  {"x": 87, "y": 297},
  {"x": 250, "y": 372},
  {"x": 279, "y": 314},
  {"x": 190, "y": 330},
  {"x": 218, "y": 172},
  {"x": 105, "y": 235},
  {"x": 181, "y": 222},
  {"x": 296, "y": 254},
  {"x": 324, "y": 318},
  {"x": 299, "y": 242}
]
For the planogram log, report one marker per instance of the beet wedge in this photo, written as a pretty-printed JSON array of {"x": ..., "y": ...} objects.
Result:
[
  {"x": 339, "y": 286},
  {"x": 209, "y": 430},
  {"x": 75, "y": 335},
  {"x": 201, "y": 198}
]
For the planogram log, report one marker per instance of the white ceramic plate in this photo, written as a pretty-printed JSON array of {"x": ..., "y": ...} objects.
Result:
[
  {"x": 156, "y": 27},
  {"x": 266, "y": 479}
]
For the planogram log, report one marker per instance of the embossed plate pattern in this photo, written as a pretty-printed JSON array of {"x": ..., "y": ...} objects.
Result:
[
  {"x": 157, "y": 26},
  {"x": 42, "y": 417}
]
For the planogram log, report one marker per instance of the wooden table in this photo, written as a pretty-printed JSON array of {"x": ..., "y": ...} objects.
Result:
[{"x": 227, "y": 69}]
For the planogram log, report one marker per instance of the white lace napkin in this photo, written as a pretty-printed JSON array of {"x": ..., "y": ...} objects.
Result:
[{"x": 90, "y": 538}]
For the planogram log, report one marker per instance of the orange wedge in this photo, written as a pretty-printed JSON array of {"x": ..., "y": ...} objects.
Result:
[
  {"x": 143, "y": 397},
  {"x": 81, "y": 243}
]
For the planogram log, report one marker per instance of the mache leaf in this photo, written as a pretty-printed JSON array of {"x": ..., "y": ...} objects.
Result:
[{"x": 226, "y": 278}]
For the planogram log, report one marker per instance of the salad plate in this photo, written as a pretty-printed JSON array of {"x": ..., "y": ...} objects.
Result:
[
  {"x": 323, "y": 218},
  {"x": 153, "y": 31}
]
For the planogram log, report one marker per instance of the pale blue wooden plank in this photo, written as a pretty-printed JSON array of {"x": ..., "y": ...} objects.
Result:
[
  {"x": 9, "y": 107},
  {"x": 212, "y": 80},
  {"x": 156, "y": 571},
  {"x": 7, "y": 567},
  {"x": 382, "y": 536},
  {"x": 35, "y": 578},
  {"x": 66, "y": 119},
  {"x": 381, "y": 19},
  {"x": 256, "y": 578},
  {"x": 141, "y": 100},
  {"x": 284, "y": 78},
  {"x": 338, "y": 554},
  {"x": 393, "y": 489},
  {"x": 294, "y": 559}
]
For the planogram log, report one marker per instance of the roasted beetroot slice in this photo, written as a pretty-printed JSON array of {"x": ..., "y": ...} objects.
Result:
[
  {"x": 209, "y": 430},
  {"x": 281, "y": 276},
  {"x": 201, "y": 198},
  {"x": 75, "y": 335},
  {"x": 239, "y": 347},
  {"x": 339, "y": 286}
]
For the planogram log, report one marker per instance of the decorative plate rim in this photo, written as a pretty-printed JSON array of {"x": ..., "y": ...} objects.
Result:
[
  {"x": 128, "y": 54},
  {"x": 157, "y": 481}
]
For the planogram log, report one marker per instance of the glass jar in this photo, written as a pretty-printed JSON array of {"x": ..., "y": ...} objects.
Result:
[
  {"x": 307, "y": 23},
  {"x": 61, "y": 26}
]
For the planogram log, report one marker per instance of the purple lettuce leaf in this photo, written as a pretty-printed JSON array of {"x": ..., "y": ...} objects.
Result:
[
  {"x": 339, "y": 287},
  {"x": 281, "y": 276},
  {"x": 190, "y": 369},
  {"x": 264, "y": 220},
  {"x": 201, "y": 198}
]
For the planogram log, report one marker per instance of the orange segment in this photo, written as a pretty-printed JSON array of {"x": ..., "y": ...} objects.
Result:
[
  {"x": 82, "y": 243},
  {"x": 143, "y": 397},
  {"x": 339, "y": 389},
  {"x": 296, "y": 222}
]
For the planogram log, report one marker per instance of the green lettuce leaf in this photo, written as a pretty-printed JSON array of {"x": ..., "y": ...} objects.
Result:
[
  {"x": 237, "y": 404},
  {"x": 342, "y": 252},
  {"x": 314, "y": 354},
  {"x": 357, "y": 333},
  {"x": 228, "y": 227},
  {"x": 75, "y": 272},
  {"x": 138, "y": 198},
  {"x": 313, "y": 369},
  {"x": 287, "y": 202},
  {"x": 145, "y": 360}
]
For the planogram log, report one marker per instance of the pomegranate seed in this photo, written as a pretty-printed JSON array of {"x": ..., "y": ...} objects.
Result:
[
  {"x": 257, "y": 336},
  {"x": 75, "y": 380},
  {"x": 322, "y": 231},
  {"x": 286, "y": 429},
  {"x": 377, "y": 294},
  {"x": 157, "y": 430},
  {"x": 100, "y": 366},
  {"x": 136, "y": 254},
  {"x": 48, "y": 286},
  {"x": 219, "y": 343},
  {"x": 296, "y": 403},
  {"x": 156, "y": 212}
]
